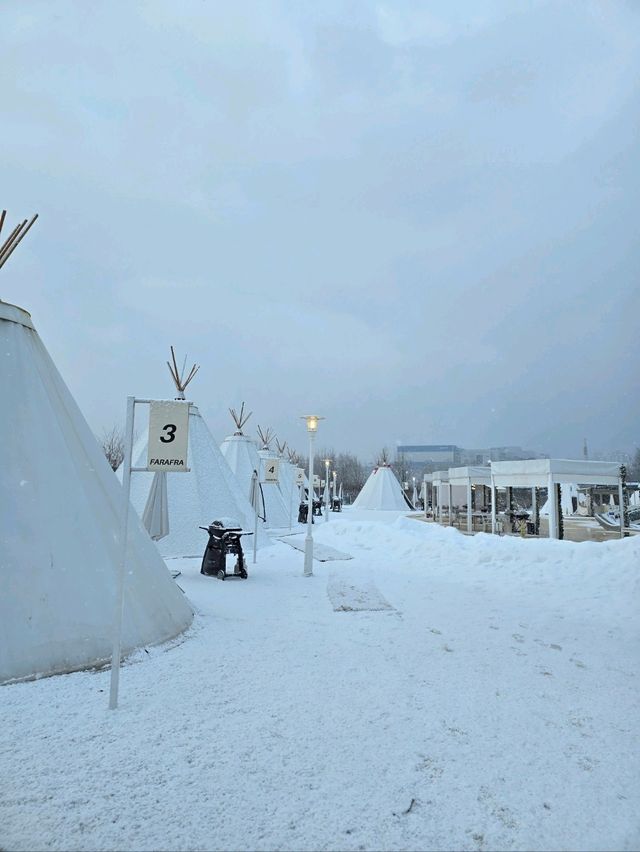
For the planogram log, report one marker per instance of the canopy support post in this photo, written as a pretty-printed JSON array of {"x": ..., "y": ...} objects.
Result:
[
  {"x": 493, "y": 505},
  {"x": 552, "y": 502}
]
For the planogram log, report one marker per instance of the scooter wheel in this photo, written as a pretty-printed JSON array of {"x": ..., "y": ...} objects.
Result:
[
  {"x": 243, "y": 574},
  {"x": 222, "y": 574}
]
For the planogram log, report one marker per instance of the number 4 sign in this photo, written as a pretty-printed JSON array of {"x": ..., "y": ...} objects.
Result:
[
  {"x": 168, "y": 436},
  {"x": 271, "y": 467}
]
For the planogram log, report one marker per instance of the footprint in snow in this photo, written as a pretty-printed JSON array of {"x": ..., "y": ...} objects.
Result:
[{"x": 518, "y": 637}]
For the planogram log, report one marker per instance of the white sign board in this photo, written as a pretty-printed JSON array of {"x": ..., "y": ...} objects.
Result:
[
  {"x": 271, "y": 467},
  {"x": 322, "y": 483},
  {"x": 299, "y": 476},
  {"x": 168, "y": 436},
  {"x": 316, "y": 480}
]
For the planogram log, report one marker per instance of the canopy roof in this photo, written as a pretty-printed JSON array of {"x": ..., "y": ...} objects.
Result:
[
  {"x": 440, "y": 477},
  {"x": 60, "y": 528},
  {"x": 470, "y": 475},
  {"x": 536, "y": 472}
]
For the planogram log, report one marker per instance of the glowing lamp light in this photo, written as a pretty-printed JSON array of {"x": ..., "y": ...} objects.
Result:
[{"x": 312, "y": 422}]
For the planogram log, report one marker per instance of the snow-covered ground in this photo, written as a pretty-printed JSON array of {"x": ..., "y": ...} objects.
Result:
[{"x": 486, "y": 699}]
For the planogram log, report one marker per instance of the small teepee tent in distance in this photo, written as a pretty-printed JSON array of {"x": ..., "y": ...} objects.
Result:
[
  {"x": 208, "y": 492},
  {"x": 240, "y": 452},
  {"x": 382, "y": 490},
  {"x": 276, "y": 510},
  {"x": 61, "y": 524}
]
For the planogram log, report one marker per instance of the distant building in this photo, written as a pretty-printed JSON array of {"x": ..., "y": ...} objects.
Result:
[{"x": 417, "y": 459}]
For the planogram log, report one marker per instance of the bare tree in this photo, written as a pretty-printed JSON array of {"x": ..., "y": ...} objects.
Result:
[
  {"x": 112, "y": 443},
  {"x": 351, "y": 473}
]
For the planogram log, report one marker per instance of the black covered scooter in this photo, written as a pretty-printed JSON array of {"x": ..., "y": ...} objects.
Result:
[{"x": 223, "y": 540}]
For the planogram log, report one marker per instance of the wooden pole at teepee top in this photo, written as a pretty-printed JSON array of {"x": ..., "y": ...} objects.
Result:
[{"x": 16, "y": 240}]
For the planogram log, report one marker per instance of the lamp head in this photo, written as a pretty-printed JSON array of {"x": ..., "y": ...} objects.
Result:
[{"x": 312, "y": 422}]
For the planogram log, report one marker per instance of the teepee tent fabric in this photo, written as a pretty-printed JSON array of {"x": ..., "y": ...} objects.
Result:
[
  {"x": 289, "y": 489},
  {"x": 207, "y": 493},
  {"x": 382, "y": 491},
  {"x": 156, "y": 512},
  {"x": 276, "y": 510},
  {"x": 241, "y": 454},
  {"x": 60, "y": 529}
]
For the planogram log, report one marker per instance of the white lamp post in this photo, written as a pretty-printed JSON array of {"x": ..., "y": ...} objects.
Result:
[
  {"x": 312, "y": 428},
  {"x": 335, "y": 474},
  {"x": 327, "y": 462}
]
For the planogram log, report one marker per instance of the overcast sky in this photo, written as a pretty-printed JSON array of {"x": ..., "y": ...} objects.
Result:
[{"x": 418, "y": 219}]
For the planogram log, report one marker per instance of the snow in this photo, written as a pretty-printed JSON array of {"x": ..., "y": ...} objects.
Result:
[{"x": 494, "y": 707}]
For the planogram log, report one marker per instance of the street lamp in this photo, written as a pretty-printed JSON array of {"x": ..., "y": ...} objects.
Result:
[
  {"x": 312, "y": 428},
  {"x": 335, "y": 474},
  {"x": 327, "y": 462}
]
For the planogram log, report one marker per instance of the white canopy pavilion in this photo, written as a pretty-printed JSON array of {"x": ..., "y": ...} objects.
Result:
[
  {"x": 547, "y": 473},
  {"x": 468, "y": 477}
]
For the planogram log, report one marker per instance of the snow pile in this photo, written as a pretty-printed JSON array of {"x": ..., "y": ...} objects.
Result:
[{"x": 493, "y": 706}]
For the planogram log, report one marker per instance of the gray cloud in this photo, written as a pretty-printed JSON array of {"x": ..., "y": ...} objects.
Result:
[{"x": 419, "y": 221}]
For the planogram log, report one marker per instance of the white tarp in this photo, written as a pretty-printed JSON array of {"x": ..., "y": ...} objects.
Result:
[
  {"x": 60, "y": 528},
  {"x": 156, "y": 513}
]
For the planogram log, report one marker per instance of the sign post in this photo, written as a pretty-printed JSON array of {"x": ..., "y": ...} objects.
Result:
[{"x": 168, "y": 444}]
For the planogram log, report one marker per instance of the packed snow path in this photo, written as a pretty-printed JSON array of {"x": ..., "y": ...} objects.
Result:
[{"x": 495, "y": 707}]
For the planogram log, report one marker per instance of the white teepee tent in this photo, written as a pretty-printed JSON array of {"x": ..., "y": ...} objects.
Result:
[
  {"x": 240, "y": 452},
  {"x": 382, "y": 491},
  {"x": 208, "y": 492},
  {"x": 287, "y": 483},
  {"x": 60, "y": 529},
  {"x": 276, "y": 510}
]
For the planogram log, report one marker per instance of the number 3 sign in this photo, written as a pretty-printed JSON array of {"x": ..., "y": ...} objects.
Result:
[{"x": 168, "y": 436}]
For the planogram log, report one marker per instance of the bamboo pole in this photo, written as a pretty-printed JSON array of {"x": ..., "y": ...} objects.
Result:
[
  {"x": 5, "y": 245},
  {"x": 17, "y": 241}
]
